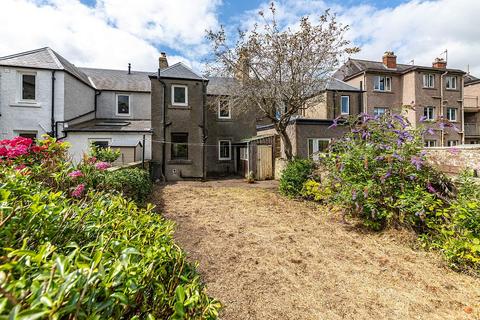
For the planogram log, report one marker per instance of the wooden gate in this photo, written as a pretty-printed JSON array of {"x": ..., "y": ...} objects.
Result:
[{"x": 264, "y": 162}]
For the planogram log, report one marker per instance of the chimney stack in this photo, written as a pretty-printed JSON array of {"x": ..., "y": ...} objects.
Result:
[
  {"x": 162, "y": 61},
  {"x": 242, "y": 66},
  {"x": 439, "y": 63},
  {"x": 389, "y": 60},
  {"x": 129, "y": 68}
]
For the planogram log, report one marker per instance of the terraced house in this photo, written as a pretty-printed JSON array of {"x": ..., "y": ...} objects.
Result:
[
  {"x": 420, "y": 92},
  {"x": 472, "y": 109}
]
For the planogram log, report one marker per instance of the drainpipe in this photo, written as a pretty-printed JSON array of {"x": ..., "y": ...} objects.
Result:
[
  {"x": 97, "y": 93},
  {"x": 442, "y": 132},
  {"x": 204, "y": 131},
  {"x": 462, "y": 107},
  {"x": 54, "y": 131},
  {"x": 164, "y": 125}
]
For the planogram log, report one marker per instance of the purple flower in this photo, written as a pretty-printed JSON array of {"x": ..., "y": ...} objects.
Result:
[
  {"x": 417, "y": 162},
  {"x": 423, "y": 118},
  {"x": 379, "y": 158},
  {"x": 102, "y": 165},
  {"x": 365, "y": 135},
  {"x": 334, "y": 123},
  {"x": 430, "y": 188},
  {"x": 397, "y": 156},
  {"x": 456, "y": 128},
  {"x": 412, "y": 177},
  {"x": 387, "y": 175},
  {"x": 454, "y": 150},
  {"x": 430, "y": 131},
  {"x": 78, "y": 191},
  {"x": 442, "y": 125},
  {"x": 75, "y": 174}
]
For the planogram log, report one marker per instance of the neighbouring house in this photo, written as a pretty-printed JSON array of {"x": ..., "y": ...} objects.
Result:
[
  {"x": 417, "y": 91},
  {"x": 311, "y": 131},
  {"x": 197, "y": 131},
  {"x": 472, "y": 109},
  {"x": 43, "y": 93}
]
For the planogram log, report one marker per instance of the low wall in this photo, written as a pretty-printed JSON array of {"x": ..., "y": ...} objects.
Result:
[
  {"x": 280, "y": 165},
  {"x": 454, "y": 160},
  {"x": 137, "y": 164}
]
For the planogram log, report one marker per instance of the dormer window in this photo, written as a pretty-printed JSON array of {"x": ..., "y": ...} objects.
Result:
[
  {"x": 179, "y": 95},
  {"x": 28, "y": 89},
  {"x": 451, "y": 82},
  {"x": 382, "y": 83},
  {"x": 429, "y": 80},
  {"x": 123, "y": 105}
]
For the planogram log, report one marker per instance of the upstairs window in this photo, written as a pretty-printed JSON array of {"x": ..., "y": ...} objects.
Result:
[
  {"x": 379, "y": 111},
  {"x": 430, "y": 143},
  {"x": 28, "y": 87},
  {"x": 179, "y": 146},
  {"x": 382, "y": 83},
  {"x": 179, "y": 95},
  {"x": 224, "y": 109},
  {"x": 123, "y": 105},
  {"x": 429, "y": 80},
  {"x": 452, "y": 114},
  {"x": 451, "y": 82},
  {"x": 224, "y": 149},
  {"x": 345, "y": 106},
  {"x": 429, "y": 113}
]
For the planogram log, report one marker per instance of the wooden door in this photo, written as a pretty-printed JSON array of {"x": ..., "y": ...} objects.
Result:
[{"x": 264, "y": 162}]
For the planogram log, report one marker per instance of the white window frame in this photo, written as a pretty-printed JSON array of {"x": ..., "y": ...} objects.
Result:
[
  {"x": 452, "y": 143},
  {"x": 428, "y": 118},
  {"x": 451, "y": 83},
  {"x": 179, "y": 104},
  {"x": 387, "y": 85},
  {"x": 229, "y": 149},
  {"x": 315, "y": 144},
  {"x": 348, "y": 105},
  {"x": 429, "y": 80},
  {"x": 20, "y": 85},
  {"x": 129, "y": 105},
  {"x": 455, "y": 112},
  {"x": 229, "y": 109},
  {"x": 385, "y": 110},
  {"x": 430, "y": 143}
]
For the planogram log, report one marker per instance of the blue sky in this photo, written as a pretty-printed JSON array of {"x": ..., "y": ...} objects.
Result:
[{"x": 113, "y": 33}]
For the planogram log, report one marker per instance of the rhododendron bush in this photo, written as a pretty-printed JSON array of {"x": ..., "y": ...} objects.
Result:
[{"x": 71, "y": 249}]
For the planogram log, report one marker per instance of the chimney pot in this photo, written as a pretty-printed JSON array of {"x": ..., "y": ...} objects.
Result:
[
  {"x": 129, "y": 68},
  {"x": 162, "y": 61},
  {"x": 439, "y": 63},
  {"x": 389, "y": 60}
]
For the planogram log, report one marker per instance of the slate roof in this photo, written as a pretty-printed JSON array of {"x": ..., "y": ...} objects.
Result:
[
  {"x": 354, "y": 67},
  {"x": 44, "y": 58},
  {"x": 338, "y": 85},
  {"x": 180, "y": 71},
  {"x": 119, "y": 80},
  {"x": 469, "y": 79},
  {"x": 112, "y": 125},
  {"x": 220, "y": 86}
]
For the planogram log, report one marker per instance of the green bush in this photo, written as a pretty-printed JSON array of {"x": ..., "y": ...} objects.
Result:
[
  {"x": 133, "y": 183},
  {"x": 100, "y": 257},
  {"x": 104, "y": 154},
  {"x": 295, "y": 175},
  {"x": 313, "y": 190}
]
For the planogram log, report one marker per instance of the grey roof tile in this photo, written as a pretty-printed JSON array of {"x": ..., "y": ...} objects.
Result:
[
  {"x": 119, "y": 80},
  {"x": 180, "y": 71},
  {"x": 469, "y": 79},
  {"x": 338, "y": 85},
  {"x": 112, "y": 125},
  {"x": 221, "y": 86}
]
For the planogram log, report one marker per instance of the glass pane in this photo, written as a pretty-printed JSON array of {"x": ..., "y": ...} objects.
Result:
[
  {"x": 179, "y": 95},
  {"x": 123, "y": 104},
  {"x": 224, "y": 149},
  {"x": 179, "y": 146},
  {"x": 345, "y": 105},
  {"x": 28, "y": 87},
  {"x": 224, "y": 111},
  {"x": 323, "y": 145}
]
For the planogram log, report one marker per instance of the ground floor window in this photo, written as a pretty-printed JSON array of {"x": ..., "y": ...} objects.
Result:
[
  {"x": 179, "y": 146},
  {"x": 243, "y": 153},
  {"x": 316, "y": 146},
  {"x": 100, "y": 143},
  {"x": 379, "y": 111},
  {"x": 452, "y": 143},
  {"x": 224, "y": 149},
  {"x": 430, "y": 143},
  {"x": 28, "y": 134}
]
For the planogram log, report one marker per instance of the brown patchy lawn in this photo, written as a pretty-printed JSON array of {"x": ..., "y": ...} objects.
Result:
[{"x": 267, "y": 257}]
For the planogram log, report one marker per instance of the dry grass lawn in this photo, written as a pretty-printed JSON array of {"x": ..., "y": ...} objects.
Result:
[{"x": 267, "y": 257}]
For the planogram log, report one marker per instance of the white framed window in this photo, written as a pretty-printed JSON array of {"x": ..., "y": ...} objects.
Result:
[
  {"x": 345, "y": 105},
  {"x": 28, "y": 86},
  {"x": 429, "y": 113},
  {"x": 123, "y": 105},
  {"x": 382, "y": 83},
  {"x": 224, "y": 150},
  {"x": 452, "y": 114},
  {"x": 316, "y": 146},
  {"x": 243, "y": 153},
  {"x": 430, "y": 143},
  {"x": 429, "y": 80},
  {"x": 379, "y": 111},
  {"x": 451, "y": 82},
  {"x": 179, "y": 95},
  {"x": 224, "y": 109},
  {"x": 452, "y": 143}
]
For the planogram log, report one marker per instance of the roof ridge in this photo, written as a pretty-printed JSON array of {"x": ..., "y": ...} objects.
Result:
[
  {"x": 106, "y": 69},
  {"x": 23, "y": 53},
  {"x": 185, "y": 66},
  {"x": 55, "y": 58}
]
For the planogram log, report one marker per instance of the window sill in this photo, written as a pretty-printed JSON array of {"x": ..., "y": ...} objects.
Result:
[
  {"x": 179, "y": 107},
  {"x": 224, "y": 160},
  {"x": 382, "y": 91},
  {"x": 428, "y": 88},
  {"x": 178, "y": 161},
  {"x": 26, "y": 104},
  {"x": 452, "y": 89},
  {"x": 224, "y": 119}
]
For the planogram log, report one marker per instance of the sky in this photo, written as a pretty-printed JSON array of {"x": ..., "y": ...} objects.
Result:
[{"x": 113, "y": 33}]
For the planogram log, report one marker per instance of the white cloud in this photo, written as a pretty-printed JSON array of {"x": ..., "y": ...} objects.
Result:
[{"x": 110, "y": 35}]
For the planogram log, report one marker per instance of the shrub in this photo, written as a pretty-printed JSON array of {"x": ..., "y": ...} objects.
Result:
[
  {"x": 294, "y": 176},
  {"x": 104, "y": 154},
  {"x": 313, "y": 190},
  {"x": 133, "y": 183}
]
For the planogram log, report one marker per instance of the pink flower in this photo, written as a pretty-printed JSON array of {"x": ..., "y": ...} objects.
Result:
[
  {"x": 92, "y": 160},
  {"x": 78, "y": 191},
  {"x": 75, "y": 174},
  {"x": 16, "y": 151},
  {"x": 20, "y": 167},
  {"x": 102, "y": 165}
]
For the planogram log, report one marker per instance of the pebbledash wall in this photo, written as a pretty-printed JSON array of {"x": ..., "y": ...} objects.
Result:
[{"x": 454, "y": 160}]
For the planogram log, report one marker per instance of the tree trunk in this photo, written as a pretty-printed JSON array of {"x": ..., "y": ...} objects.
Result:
[{"x": 287, "y": 144}]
